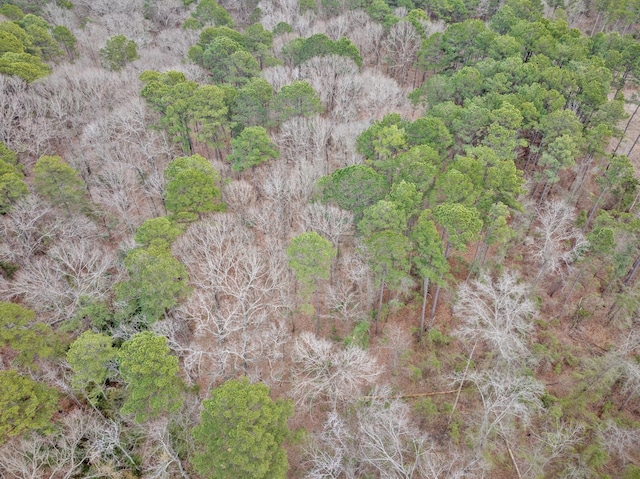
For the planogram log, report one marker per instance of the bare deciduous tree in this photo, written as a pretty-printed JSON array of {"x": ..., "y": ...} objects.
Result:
[
  {"x": 345, "y": 107},
  {"x": 74, "y": 95},
  {"x": 377, "y": 439},
  {"x": 401, "y": 47},
  {"x": 82, "y": 439},
  {"x": 276, "y": 11},
  {"x": 334, "y": 78},
  {"x": 507, "y": 398},
  {"x": 116, "y": 189},
  {"x": 25, "y": 458},
  {"x": 74, "y": 269},
  {"x": 166, "y": 13},
  {"x": 208, "y": 328},
  {"x": 554, "y": 443},
  {"x": 382, "y": 95},
  {"x": 75, "y": 444},
  {"x": 390, "y": 443},
  {"x": 24, "y": 126},
  {"x": 398, "y": 343},
  {"x": 279, "y": 187},
  {"x": 131, "y": 24},
  {"x": 176, "y": 42},
  {"x": 105, "y": 7},
  {"x": 304, "y": 143},
  {"x": 240, "y": 197},
  {"x": 344, "y": 143},
  {"x": 331, "y": 452},
  {"x": 558, "y": 242},
  {"x": 236, "y": 312},
  {"x": 344, "y": 304},
  {"x": 62, "y": 259},
  {"x": 280, "y": 76},
  {"x": 498, "y": 312},
  {"x": 621, "y": 441},
  {"x": 358, "y": 273},
  {"x": 325, "y": 372},
  {"x": 327, "y": 220},
  {"x": 161, "y": 459},
  {"x": 27, "y": 230},
  {"x": 368, "y": 36},
  {"x": 85, "y": 265},
  {"x": 338, "y": 27},
  {"x": 57, "y": 15},
  {"x": 124, "y": 170}
]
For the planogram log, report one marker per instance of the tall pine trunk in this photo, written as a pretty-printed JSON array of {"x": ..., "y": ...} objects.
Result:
[
  {"x": 382, "y": 281},
  {"x": 425, "y": 289},
  {"x": 435, "y": 305},
  {"x": 624, "y": 133}
]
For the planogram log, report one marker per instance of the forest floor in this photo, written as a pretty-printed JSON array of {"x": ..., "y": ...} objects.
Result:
[{"x": 632, "y": 131}]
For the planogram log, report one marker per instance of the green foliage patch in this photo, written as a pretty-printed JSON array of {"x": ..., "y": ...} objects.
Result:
[
  {"x": 25, "y": 405},
  {"x": 300, "y": 50},
  {"x": 241, "y": 432},
  {"x": 118, "y": 52},
  {"x": 151, "y": 372}
]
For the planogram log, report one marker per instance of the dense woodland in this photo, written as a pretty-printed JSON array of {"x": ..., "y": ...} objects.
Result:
[{"x": 319, "y": 239}]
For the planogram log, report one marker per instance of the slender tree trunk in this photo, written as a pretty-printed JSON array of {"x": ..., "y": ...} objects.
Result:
[
  {"x": 595, "y": 24},
  {"x": 533, "y": 219},
  {"x": 464, "y": 376},
  {"x": 483, "y": 257},
  {"x": 437, "y": 293},
  {"x": 594, "y": 209},
  {"x": 633, "y": 146},
  {"x": 382, "y": 281},
  {"x": 513, "y": 459},
  {"x": 575, "y": 282},
  {"x": 189, "y": 142},
  {"x": 613, "y": 310},
  {"x": 624, "y": 133},
  {"x": 245, "y": 344},
  {"x": 605, "y": 23},
  {"x": 597, "y": 378},
  {"x": 609, "y": 287},
  {"x": 425, "y": 289},
  {"x": 538, "y": 205},
  {"x": 475, "y": 256},
  {"x": 631, "y": 273},
  {"x": 544, "y": 193},
  {"x": 533, "y": 155},
  {"x": 626, "y": 401},
  {"x": 525, "y": 167},
  {"x": 542, "y": 269},
  {"x": 315, "y": 307},
  {"x": 432, "y": 318},
  {"x": 633, "y": 203},
  {"x": 628, "y": 24},
  {"x": 283, "y": 220},
  {"x": 580, "y": 177}
]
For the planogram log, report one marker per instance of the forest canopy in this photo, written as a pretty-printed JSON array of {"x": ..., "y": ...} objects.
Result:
[{"x": 319, "y": 238}]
